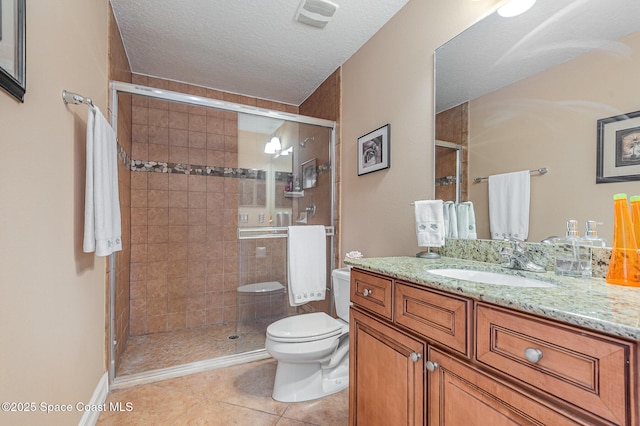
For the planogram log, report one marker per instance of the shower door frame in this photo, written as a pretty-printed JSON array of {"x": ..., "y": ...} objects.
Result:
[
  {"x": 458, "y": 149},
  {"x": 117, "y": 87}
]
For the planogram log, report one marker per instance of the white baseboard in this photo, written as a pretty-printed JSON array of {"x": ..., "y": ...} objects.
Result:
[{"x": 90, "y": 418}]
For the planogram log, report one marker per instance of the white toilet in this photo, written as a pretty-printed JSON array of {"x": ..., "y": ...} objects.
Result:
[{"x": 312, "y": 350}]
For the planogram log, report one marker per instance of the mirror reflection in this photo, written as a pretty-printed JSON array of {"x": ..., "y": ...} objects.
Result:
[
  {"x": 284, "y": 159},
  {"x": 527, "y": 92}
]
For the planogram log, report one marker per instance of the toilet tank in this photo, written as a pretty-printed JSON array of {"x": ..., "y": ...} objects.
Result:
[{"x": 341, "y": 283}]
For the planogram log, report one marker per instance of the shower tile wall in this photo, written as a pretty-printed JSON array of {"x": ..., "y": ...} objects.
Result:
[
  {"x": 257, "y": 266},
  {"x": 185, "y": 256}
]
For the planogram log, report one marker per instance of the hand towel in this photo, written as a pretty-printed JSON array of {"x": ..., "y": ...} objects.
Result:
[
  {"x": 473, "y": 232},
  {"x": 509, "y": 198},
  {"x": 445, "y": 215},
  {"x": 102, "y": 227},
  {"x": 453, "y": 221},
  {"x": 429, "y": 219},
  {"x": 466, "y": 221},
  {"x": 462, "y": 214},
  {"x": 307, "y": 259}
]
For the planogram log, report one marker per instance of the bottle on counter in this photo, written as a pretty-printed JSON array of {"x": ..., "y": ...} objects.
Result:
[
  {"x": 624, "y": 266},
  {"x": 572, "y": 253},
  {"x": 635, "y": 215},
  {"x": 591, "y": 234}
]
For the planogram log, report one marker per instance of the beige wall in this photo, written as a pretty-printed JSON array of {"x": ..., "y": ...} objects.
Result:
[
  {"x": 52, "y": 309},
  {"x": 550, "y": 121},
  {"x": 390, "y": 80}
]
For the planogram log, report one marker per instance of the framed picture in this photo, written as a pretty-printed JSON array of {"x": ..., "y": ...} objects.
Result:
[
  {"x": 12, "y": 47},
  {"x": 309, "y": 173},
  {"x": 373, "y": 151},
  {"x": 618, "y": 153}
]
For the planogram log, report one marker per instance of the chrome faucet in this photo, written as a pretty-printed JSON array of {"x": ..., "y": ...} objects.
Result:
[{"x": 516, "y": 257}]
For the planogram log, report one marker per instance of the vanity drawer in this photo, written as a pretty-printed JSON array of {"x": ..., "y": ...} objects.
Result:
[
  {"x": 582, "y": 368},
  {"x": 371, "y": 292},
  {"x": 438, "y": 317}
]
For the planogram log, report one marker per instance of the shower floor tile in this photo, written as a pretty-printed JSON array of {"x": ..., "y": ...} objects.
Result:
[{"x": 162, "y": 350}]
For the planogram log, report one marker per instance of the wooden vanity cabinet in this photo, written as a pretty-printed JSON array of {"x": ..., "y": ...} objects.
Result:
[
  {"x": 459, "y": 394},
  {"x": 420, "y": 356},
  {"x": 386, "y": 375}
]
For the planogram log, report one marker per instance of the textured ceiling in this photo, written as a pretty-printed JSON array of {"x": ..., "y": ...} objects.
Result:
[{"x": 249, "y": 47}]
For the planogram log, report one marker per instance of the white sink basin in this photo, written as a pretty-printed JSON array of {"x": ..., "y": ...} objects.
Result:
[{"x": 490, "y": 278}]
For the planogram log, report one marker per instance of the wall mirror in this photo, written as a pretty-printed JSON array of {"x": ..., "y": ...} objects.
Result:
[{"x": 527, "y": 92}]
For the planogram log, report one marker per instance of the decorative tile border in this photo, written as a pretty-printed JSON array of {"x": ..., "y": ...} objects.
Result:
[{"x": 198, "y": 170}]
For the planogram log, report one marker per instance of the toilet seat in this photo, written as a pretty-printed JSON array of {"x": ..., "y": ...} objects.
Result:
[{"x": 304, "y": 328}]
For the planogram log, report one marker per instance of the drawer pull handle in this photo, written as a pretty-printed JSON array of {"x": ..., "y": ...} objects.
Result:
[
  {"x": 431, "y": 366},
  {"x": 415, "y": 356},
  {"x": 366, "y": 292},
  {"x": 532, "y": 354}
]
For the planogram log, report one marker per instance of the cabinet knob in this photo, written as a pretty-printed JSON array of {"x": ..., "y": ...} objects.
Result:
[
  {"x": 366, "y": 292},
  {"x": 431, "y": 366},
  {"x": 533, "y": 355},
  {"x": 415, "y": 356}
]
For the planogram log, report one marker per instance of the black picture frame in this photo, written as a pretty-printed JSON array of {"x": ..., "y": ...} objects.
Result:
[
  {"x": 374, "y": 150},
  {"x": 13, "y": 69},
  {"x": 618, "y": 148}
]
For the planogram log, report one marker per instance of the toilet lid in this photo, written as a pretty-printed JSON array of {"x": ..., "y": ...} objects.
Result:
[{"x": 305, "y": 327}]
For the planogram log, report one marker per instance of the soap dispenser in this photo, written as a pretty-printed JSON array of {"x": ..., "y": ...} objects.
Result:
[
  {"x": 572, "y": 253},
  {"x": 591, "y": 235}
]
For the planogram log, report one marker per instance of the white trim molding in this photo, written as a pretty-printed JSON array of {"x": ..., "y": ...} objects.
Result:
[{"x": 90, "y": 417}]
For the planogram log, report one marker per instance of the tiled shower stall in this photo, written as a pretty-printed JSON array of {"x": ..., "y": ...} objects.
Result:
[{"x": 186, "y": 189}]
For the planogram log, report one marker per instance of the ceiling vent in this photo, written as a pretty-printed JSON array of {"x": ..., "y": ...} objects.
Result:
[{"x": 316, "y": 13}]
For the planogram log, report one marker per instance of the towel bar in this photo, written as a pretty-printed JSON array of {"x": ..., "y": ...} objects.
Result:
[
  {"x": 541, "y": 170},
  {"x": 252, "y": 233},
  {"x": 74, "y": 98}
]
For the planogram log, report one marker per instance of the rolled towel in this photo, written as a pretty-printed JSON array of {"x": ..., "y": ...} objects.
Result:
[
  {"x": 462, "y": 213},
  {"x": 453, "y": 221},
  {"x": 445, "y": 214},
  {"x": 473, "y": 231}
]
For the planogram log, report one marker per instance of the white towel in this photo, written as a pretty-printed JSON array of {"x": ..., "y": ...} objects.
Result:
[
  {"x": 473, "y": 231},
  {"x": 429, "y": 219},
  {"x": 453, "y": 221},
  {"x": 466, "y": 221},
  {"x": 307, "y": 259},
  {"x": 509, "y": 198},
  {"x": 102, "y": 227},
  {"x": 462, "y": 213},
  {"x": 445, "y": 215}
]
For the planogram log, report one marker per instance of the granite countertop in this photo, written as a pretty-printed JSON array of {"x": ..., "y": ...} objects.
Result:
[{"x": 590, "y": 303}]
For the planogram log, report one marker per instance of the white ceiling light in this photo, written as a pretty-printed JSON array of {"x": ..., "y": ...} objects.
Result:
[
  {"x": 515, "y": 8},
  {"x": 316, "y": 13},
  {"x": 269, "y": 149},
  {"x": 273, "y": 146},
  {"x": 275, "y": 142}
]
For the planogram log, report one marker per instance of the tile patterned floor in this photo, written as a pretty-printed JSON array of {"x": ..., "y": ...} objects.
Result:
[
  {"x": 239, "y": 395},
  {"x": 162, "y": 350}
]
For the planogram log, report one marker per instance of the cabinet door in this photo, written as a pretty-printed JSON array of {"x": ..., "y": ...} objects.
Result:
[
  {"x": 462, "y": 395},
  {"x": 386, "y": 374}
]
